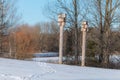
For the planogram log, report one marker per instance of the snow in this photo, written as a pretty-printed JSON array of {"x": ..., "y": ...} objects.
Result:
[
  {"x": 47, "y": 54},
  {"x": 115, "y": 59},
  {"x": 32, "y": 70},
  {"x": 47, "y": 59}
]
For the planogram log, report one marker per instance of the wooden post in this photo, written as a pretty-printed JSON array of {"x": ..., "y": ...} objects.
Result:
[
  {"x": 61, "y": 23},
  {"x": 84, "y": 30},
  {"x": 61, "y": 45}
]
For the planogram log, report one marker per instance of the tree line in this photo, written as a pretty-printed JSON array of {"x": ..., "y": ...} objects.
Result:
[
  {"x": 25, "y": 40},
  {"x": 102, "y": 15}
]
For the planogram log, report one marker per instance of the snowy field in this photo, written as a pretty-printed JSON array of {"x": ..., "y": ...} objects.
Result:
[
  {"x": 52, "y": 57},
  {"x": 46, "y": 59},
  {"x": 47, "y": 54},
  {"x": 31, "y": 70},
  {"x": 49, "y": 57}
]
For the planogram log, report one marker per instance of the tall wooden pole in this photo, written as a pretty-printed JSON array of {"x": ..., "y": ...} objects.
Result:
[
  {"x": 84, "y": 30},
  {"x": 61, "y": 45},
  {"x": 83, "y": 48},
  {"x": 61, "y": 23}
]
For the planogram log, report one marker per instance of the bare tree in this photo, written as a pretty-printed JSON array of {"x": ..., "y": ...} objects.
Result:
[
  {"x": 105, "y": 16},
  {"x": 8, "y": 18},
  {"x": 76, "y": 12},
  {"x": 48, "y": 35}
]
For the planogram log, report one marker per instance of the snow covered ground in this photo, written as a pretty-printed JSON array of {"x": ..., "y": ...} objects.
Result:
[
  {"x": 46, "y": 59},
  {"x": 115, "y": 59},
  {"x": 47, "y": 54},
  {"x": 31, "y": 70}
]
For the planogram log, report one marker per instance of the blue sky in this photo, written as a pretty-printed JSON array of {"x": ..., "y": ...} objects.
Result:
[{"x": 32, "y": 11}]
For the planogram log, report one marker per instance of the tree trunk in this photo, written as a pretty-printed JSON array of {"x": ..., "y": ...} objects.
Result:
[
  {"x": 76, "y": 31},
  {"x": 106, "y": 34}
]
